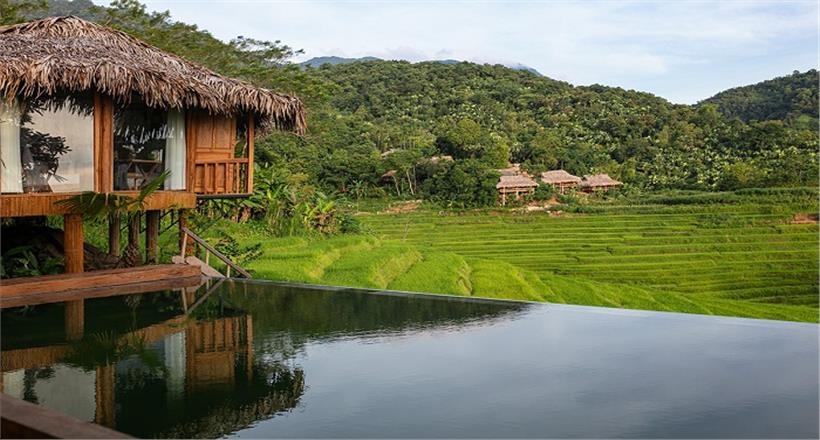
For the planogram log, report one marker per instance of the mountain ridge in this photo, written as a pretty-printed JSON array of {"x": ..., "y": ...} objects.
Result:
[{"x": 334, "y": 60}]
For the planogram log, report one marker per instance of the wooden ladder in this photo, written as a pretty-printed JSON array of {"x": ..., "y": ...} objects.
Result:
[{"x": 205, "y": 265}]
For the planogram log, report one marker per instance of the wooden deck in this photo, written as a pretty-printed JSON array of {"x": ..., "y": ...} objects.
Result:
[
  {"x": 21, "y": 419},
  {"x": 76, "y": 286}
]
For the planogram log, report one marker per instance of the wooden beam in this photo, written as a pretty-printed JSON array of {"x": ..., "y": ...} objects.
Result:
[
  {"x": 152, "y": 237},
  {"x": 18, "y": 292},
  {"x": 40, "y": 204},
  {"x": 21, "y": 419}
]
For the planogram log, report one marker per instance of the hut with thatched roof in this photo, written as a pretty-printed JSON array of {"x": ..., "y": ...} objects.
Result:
[
  {"x": 599, "y": 182},
  {"x": 86, "y": 108},
  {"x": 515, "y": 186},
  {"x": 560, "y": 180}
]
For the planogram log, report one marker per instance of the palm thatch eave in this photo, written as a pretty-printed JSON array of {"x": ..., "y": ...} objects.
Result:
[{"x": 71, "y": 54}]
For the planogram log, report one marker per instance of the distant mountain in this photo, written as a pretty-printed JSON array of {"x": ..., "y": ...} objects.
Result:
[
  {"x": 524, "y": 67},
  {"x": 334, "y": 60},
  {"x": 792, "y": 99}
]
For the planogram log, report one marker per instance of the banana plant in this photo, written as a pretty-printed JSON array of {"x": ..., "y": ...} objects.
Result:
[{"x": 97, "y": 205}]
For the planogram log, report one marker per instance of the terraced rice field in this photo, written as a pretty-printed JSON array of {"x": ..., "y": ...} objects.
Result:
[{"x": 745, "y": 258}]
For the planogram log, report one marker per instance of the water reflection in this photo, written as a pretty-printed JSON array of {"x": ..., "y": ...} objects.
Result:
[{"x": 200, "y": 363}]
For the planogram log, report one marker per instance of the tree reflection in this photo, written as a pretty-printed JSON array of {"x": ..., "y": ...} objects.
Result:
[{"x": 41, "y": 151}]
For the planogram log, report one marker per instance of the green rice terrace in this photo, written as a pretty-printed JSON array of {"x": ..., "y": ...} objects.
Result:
[{"x": 751, "y": 253}]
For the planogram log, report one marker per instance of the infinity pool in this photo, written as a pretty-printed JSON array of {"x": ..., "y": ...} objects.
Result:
[{"x": 260, "y": 360}]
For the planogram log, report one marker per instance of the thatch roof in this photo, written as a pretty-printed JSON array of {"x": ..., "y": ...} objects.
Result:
[
  {"x": 559, "y": 176},
  {"x": 599, "y": 181},
  {"x": 71, "y": 54},
  {"x": 518, "y": 181}
]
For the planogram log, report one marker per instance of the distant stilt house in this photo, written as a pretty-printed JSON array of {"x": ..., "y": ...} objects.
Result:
[
  {"x": 515, "y": 186},
  {"x": 560, "y": 180},
  {"x": 514, "y": 170},
  {"x": 598, "y": 182},
  {"x": 438, "y": 159},
  {"x": 86, "y": 108}
]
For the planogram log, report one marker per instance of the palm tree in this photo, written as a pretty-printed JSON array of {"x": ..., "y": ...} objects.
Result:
[{"x": 96, "y": 205}]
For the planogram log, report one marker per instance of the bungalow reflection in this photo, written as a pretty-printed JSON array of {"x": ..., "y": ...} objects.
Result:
[
  {"x": 204, "y": 362},
  {"x": 184, "y": 375}
]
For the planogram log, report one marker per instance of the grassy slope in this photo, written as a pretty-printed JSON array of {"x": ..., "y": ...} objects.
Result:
[{"x": 739, "y": 259}]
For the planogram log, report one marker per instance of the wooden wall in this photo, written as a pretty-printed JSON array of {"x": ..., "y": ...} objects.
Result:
[
  {"x": 213, "y": 169},
  {"x": 210, "y": 141}
]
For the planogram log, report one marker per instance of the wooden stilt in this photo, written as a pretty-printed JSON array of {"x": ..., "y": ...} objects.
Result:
[
  {"x": 114, "y": 234},
  {"x": 73, "y": 242},
  {"x": 152, "y": 237},
  {"x": 73, "y": 250},
  {"x": 134, "y": 229}
]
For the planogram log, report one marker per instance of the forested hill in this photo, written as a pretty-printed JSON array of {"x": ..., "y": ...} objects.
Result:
[
  {"x": 494, "y": 114},
  {"x": 366, "y": 118},
  {"x": 792, "y": 99}
]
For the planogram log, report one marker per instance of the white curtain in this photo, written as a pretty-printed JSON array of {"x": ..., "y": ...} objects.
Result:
[
  {"x": 175, "y": 150},
  {"x": 11, "y": 178}
]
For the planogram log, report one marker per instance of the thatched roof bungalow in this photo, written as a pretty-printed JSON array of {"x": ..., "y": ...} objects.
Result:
[
  {"x": 86, "y": 108},
  {"x": 560, "y": 180},
  {"x": 69, "y": 54},
  {"x": 515, "y": 185},
  {"x": 599, "y": 182}
]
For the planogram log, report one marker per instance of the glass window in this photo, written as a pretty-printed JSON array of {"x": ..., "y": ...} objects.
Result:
[
  {"x": 55, "y": 139},
  {"x": 148, "y": 141}
]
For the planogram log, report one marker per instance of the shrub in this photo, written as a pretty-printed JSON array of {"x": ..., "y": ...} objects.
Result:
[
  {"x": 542, "y": 192},
  {"x": 349, "y": 224}
]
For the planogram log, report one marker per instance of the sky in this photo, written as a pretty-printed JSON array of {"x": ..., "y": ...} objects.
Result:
[{"x": 684, "y": 51}]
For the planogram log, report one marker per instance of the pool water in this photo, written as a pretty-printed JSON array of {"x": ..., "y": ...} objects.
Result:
[{"x": 257, "y": 360}]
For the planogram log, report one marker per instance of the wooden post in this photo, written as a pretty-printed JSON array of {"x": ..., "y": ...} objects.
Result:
[
  {"x": 114, "y": 234},
  {"x": 250, "y": 153},
  {"x": 186, "y": 247},
  {"x": 73, "y": 250},
  {"x": 152, "y": 236}
]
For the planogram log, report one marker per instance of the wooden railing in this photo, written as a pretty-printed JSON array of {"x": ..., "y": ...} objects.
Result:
[
  {"x": 216, "y": 177},
  {"x": 209, "y": 250}
]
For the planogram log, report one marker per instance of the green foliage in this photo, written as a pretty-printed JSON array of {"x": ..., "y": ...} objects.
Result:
[
  {"x": 543, "y": 192},
  {"x": 792, "y": 99},
  {"x": 465, "y": 183},
  {"x": 21, "y": 261},
  {"x": 741, "y": 174},
  {"x": 13, "y": 11}
]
